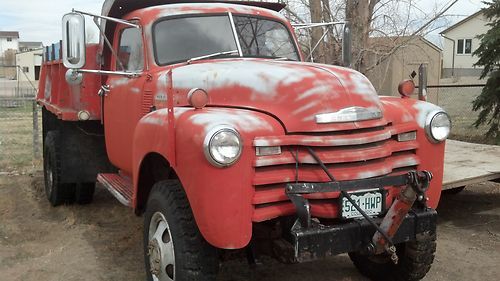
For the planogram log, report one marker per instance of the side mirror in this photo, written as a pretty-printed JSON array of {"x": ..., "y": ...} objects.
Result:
[{"x": 73, "y": 44}]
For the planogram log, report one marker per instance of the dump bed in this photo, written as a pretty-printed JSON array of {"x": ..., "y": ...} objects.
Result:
[{"x": 64, "y": 100}]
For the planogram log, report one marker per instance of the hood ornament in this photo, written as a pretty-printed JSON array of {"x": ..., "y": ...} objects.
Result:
[{"x": 349, "y": 114}]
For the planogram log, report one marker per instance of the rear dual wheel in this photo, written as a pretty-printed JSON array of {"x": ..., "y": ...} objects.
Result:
[
  {"x": 84, "y": 193},
  {"x": 57, "y": 192}
]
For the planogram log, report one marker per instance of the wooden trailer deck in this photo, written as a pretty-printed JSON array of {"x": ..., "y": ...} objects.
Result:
[{"x": 468, "y": 163}]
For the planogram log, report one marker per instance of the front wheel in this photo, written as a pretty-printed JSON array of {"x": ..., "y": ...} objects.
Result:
[
  {"x": 173, "y": 246},
  {"x": 415, "y": 260}
]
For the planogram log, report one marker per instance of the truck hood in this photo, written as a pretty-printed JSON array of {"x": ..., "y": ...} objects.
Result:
[{"x": 294, "y": 92}]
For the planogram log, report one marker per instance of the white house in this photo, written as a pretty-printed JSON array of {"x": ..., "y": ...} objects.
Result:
[
  {"x": 25, "y": 46},
  {"x": 460, "y": 42},
  {"x": 29, "y": 65},
  {"x": 8, "y": 40}
]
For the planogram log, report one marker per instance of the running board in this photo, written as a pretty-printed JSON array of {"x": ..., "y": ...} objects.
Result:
[{"x": 120, "y": 186}]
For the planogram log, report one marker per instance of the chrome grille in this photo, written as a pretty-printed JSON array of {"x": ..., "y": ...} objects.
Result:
[{"x": 357, "y": 154}]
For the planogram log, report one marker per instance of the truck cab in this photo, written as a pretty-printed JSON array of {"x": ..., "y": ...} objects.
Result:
[{"x": 203, "y": 117}]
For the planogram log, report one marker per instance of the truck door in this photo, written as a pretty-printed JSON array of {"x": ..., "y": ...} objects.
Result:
[{"x": 122, "y": 104}]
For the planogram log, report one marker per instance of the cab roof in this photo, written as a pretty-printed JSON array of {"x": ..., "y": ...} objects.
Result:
[{"x": 118, "y": 8}]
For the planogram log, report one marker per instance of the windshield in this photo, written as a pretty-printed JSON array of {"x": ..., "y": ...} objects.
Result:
[
  {"x": 181, "y": 39},
  {"x": 261, "y": 37}
]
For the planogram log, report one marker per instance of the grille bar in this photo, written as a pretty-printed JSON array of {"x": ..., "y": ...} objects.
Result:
[
  {"x": 348, "y": 155},
  {"x": 350, "y": 138},
  {"x": 331, "y": 155},
  {"x": 349, "y": 171}
]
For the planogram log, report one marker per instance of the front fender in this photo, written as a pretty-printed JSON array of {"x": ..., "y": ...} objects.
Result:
[
  {"x": 220, "y": 198},
  {"x": 150, "y": 136},
  {"x": 431, "y": 155}
]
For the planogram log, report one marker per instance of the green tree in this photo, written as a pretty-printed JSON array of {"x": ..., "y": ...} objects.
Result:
[{"x": 488, "y": 102}]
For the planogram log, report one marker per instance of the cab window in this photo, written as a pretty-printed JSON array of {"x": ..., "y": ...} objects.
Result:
[
  {"x": 180, "y": 39},
  {"x": 130, "y": 51}
]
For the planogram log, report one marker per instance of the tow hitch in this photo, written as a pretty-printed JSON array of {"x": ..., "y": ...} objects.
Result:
[
  {"x": 417, "y": 185},
  {"x": 414, "y": 185}
]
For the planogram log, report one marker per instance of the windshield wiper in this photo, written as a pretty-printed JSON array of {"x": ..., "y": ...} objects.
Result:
[{"x": 212, "y": 56}]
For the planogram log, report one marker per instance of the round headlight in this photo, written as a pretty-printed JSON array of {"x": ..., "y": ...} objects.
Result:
[
  {"x": 438, "y": 126},
  {"x": 223, "y": 146}
]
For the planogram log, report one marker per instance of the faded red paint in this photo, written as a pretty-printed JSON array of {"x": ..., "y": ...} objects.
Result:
[
  {"x": 394, "y": 217},
  {"x": 269, "y": 103},
  {"x": 64, "y": 100}
]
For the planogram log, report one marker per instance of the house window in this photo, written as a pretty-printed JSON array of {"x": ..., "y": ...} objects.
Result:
[
  {"x": 464, "y": 46},
  {"x": 26, "y": 69},
  {"x": 9, "y": 39}
]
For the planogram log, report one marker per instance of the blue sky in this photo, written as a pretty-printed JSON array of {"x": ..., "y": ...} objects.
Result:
[{"x": 41, "y": 20}]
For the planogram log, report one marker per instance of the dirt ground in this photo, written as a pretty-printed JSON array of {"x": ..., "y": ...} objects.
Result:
[{"x": 102, "y": 241}]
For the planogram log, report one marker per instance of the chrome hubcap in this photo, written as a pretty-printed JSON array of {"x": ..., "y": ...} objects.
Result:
[{"x": 161, "y": 249}]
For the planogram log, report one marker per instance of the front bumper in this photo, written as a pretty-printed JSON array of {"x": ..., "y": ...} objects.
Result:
[{"x": 319, "y": 241}]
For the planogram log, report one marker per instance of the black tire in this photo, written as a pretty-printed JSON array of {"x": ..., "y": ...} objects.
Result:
[
  {"x": 84, "y": 193},
  {"x": 194, "y": 258},
  {"x": 415, "y": 260},
  {"x": 454, "y": 191},
  {"x": 56, "y": 192}
]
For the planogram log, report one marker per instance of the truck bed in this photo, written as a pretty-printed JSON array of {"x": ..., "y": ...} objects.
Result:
[{"x": 62, "y": 99}]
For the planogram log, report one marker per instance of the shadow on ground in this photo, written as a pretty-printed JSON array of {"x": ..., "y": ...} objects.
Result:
[{"x": 103, "y": 241}]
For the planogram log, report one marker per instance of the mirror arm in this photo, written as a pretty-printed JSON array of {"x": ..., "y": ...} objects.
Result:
[
  {"x": 298, "y": 26},
  {"x": 109, "y": 18},
  {"x": 317, "y": 44},
  {"x": 105, "y": 72},
  {"x": 109, "y": 44}
]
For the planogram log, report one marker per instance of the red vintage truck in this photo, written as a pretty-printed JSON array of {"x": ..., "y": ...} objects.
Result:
[{"x": 203, "y": 117}]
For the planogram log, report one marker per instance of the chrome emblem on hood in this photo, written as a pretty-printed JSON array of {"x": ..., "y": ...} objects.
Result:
[{"x": 349, "y": 114}]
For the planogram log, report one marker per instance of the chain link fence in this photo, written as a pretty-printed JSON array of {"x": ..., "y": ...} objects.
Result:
[
  {"x": 457, "y": 99},
  {"x": 15, "y": 93},
  {"x": 20, "y": 129}
]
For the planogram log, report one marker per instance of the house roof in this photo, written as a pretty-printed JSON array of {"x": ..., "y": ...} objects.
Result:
[
  {"x": 391, "y": 41},
  {"x": 431, "y": 44},
  {"x": 9, "y": 34},
  {"x": 461, "y": 22},
  {"x": 30, "y": 44},
  {"x": 35, "y": 51}
]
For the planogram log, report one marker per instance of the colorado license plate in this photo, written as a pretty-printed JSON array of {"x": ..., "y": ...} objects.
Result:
[{"x": 371, "y": 202}]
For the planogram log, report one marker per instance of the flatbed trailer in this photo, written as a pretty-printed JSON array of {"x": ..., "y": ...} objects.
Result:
[{"x": 469, "y": 163}]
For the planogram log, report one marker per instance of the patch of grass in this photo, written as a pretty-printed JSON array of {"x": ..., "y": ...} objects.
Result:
[
  {"x": 16, "y": 140},
  {"x": 458, "y": 104},
  {"x": 16, "y": 112}
]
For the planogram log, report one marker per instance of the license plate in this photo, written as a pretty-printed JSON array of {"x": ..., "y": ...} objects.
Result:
[{"x": 371, "y": 202}]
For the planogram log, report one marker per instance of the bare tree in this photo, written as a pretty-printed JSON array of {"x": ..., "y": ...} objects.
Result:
[
  {"x": 359, "y": 13},
  {"x": 407, "y": 36},
  {"x": 317, "y": 33},
  {"x": 398, "y": 20}
]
